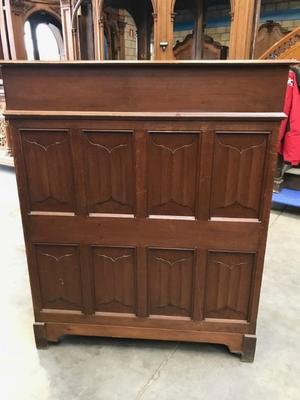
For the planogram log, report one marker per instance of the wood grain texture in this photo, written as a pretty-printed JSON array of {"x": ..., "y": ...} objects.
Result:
[
  {"x": 172, "y": 173},
  {"x": 170, "y": 282},
  {"x": 49, "y": 170},
  {"x": 228, "y": 285},
  {"x": 239, "y": 161},
  {"x": 233, "y": 341},
  {"x": 114, "y": 277},
  {"x": 59, "y": 276},
  {"x": 145, "y": 211},
  {"x": 222, "y": 80},
  {"x": 109, "y": 172}
]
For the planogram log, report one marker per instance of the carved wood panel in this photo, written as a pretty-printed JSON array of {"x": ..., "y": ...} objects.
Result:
[
  {"x": 172, "y": 167},
  {"x": 49, "y": 170},
  {"x": 59, "y": 276},
  {"x": 114, "y": 272},
  {"x": 170, "y": 282},
  {"x": 228, "y": 285},
  {"x": 238, "y": 174},
  {"x": 109, "y": 172}
]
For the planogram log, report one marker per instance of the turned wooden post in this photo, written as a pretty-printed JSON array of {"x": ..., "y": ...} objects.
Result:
[
  {"x": 243, "y": 13},
  {"x": 199, "y": 30},
  {"x": 144, "y": 33},
  {"x": 163, "y": 35},
  {"x": 66, "y": 21}
]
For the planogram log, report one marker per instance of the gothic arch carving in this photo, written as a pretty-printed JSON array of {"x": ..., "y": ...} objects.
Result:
[
  {"x": 36, "y": 10},
  {"x": 101, "y": 4}
]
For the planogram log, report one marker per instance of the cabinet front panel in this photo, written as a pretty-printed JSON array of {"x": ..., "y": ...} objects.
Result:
[
  {"x": 170, "y": 282},
  {"x": 238, "y": 174},
  {"x": 145, "y": 245},
  {"x": 114, "y": 279},
  {"x": 228, "y": 285},
  {"x": 173, "y": 170},
  {"x": 109, "y": 174},
  {"x": 49, "y": 170},
  {"x": 59, "y": 276}
]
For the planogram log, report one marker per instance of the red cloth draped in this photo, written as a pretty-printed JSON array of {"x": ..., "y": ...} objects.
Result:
[{"x": 289, "y": 134}]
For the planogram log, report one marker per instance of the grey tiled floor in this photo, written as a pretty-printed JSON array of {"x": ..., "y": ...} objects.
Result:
[{"x": 110, "y": 369}]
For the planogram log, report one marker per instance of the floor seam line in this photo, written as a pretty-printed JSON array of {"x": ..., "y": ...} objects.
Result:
[
  {"x": 279, "y": 215},
  {"x": 156, "y": 374}
]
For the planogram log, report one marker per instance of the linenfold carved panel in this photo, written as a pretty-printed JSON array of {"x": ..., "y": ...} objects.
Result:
[
  {"x": 238, "y": 174},
  {"x": 109, "y": 172},
  {"x": 172, "y": 167},
  {"x": 170, "y": 282},
  {"x": 228, "y": 285},
  {"x": 114, "y": 274},
  {"x": 59, "y": 276},
  {"x": 49, "y": 170}
]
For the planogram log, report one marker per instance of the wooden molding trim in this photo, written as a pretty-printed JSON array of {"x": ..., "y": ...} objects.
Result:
[{"x": 269, "y": 116}]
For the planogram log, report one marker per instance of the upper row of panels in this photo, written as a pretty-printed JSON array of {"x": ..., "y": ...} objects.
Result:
[{"x": 164, "y": 174}]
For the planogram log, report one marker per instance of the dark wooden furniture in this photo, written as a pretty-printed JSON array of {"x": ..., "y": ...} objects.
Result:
[
  {"x": 212, "y": 50},
  {"x": 268, "y": 34},
  {"x": 145, "y": 191}
]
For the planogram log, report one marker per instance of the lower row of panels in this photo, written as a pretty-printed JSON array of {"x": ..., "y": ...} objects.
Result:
[{"x": 169, "y": 282}]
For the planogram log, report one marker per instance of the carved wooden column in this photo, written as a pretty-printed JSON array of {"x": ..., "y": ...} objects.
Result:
[
  {"x": 75, "y": 38},
  {"x": 199, "y": 29},
  {"x": 15, "y": 11},
  {"x": 121, "y": 45},
  {"x": 102, "y": 39},
  {"x": 66, "y": 21},
  {"x": 33, "y": 27},
  {"x": 97, "y": 22},
  {"x": 242, "y": 28},
  {"x": 163, "y": 38},
  {"x": 3, "y": 33},
  {"x": 144, "y": 24}
]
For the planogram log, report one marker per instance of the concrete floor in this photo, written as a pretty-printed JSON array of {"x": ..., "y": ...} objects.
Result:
[{"x": 110, "y": 369}]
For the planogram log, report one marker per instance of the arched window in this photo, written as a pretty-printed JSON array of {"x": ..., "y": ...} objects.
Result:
[
  {"x": 127, "y": 29},
  {"x": 201, "y": 29},
  {"x": 43, "y": 37}
]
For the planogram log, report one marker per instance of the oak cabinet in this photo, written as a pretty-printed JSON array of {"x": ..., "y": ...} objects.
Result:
[{"x": 145, "y": 192}]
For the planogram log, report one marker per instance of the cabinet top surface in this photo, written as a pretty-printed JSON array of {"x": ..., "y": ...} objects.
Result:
[{"x": 223, "y": 63}]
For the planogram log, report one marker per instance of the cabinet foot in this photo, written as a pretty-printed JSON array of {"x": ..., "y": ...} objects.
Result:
[
  {"x": 39, "y": 329},
  {"x": 248, "y": 349}
]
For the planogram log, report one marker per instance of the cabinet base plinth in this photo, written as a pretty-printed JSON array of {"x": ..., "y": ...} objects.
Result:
[
  {"x": 40, "y": 335},
  {"x": 249, "y": 346},
  {"x": 236, "y": 342}
]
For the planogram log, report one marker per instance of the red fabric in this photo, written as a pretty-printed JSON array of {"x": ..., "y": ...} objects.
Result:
[{"x": 289, "y": 134}]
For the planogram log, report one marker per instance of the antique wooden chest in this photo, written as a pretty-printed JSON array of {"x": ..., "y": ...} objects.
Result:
[{"x": 145, "y": 191}]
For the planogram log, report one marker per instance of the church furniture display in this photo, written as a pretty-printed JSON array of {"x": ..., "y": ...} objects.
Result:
[
  {"x": 286, "y": 48},
  {"x": 94, "y": 29},
  {"x": 212, "y": 50},
  {"x": 268, "y": 34},
  {"x": 145, "y": 192}
]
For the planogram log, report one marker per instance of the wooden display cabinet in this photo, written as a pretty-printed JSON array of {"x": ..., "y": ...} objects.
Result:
[{"x": 145, "y": 191}]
